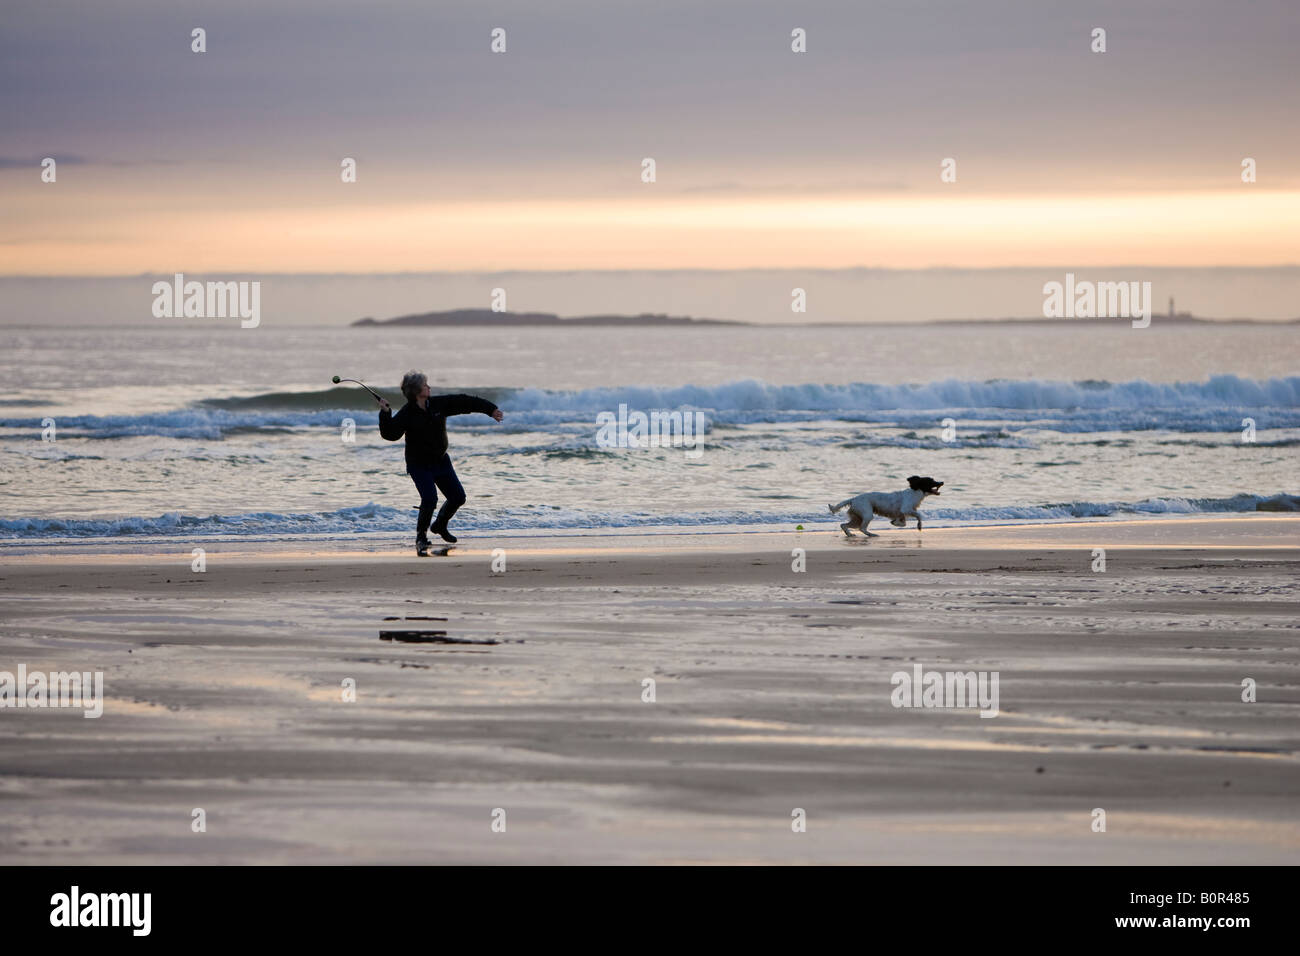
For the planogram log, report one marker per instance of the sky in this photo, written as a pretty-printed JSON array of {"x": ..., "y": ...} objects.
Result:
[{"x": 470, "y": 161}]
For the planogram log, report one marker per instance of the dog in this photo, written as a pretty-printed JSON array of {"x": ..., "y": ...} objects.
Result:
[{"x": 897, "y": 506}]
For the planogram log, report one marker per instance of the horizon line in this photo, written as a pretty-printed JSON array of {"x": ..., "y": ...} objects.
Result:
[{"x": 662, "y": 271}]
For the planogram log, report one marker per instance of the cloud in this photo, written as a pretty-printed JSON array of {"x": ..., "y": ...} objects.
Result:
[
  {"x": 9, "y": 162},
  {"x": 799, "y": 189}
]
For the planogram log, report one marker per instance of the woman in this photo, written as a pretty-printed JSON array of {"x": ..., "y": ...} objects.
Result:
[{"x": 423, "y": 420}]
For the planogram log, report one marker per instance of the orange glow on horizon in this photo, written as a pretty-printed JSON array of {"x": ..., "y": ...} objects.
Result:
[{"x": 111, "y": 236}]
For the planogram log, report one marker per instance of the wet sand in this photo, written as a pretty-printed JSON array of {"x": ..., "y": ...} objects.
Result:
[{"x": 1119, "y": 689}]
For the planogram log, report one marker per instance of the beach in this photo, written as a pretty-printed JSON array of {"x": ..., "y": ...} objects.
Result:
[
  {"x": 525, "y": 733},
  {"x": 611, "y": 436}
]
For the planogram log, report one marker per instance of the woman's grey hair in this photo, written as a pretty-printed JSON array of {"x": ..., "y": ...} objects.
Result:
[{"x": 412, "y": 384}]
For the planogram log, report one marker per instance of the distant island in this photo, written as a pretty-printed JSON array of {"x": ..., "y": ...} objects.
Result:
[
  {"x": 1157, "y": 318},
  {"x": 1182, "y": 318},
  {"x": 488, "y": 317}
]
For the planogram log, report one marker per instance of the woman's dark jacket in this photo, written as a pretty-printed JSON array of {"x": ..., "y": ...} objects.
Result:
[{"x": 426, "y": 428}]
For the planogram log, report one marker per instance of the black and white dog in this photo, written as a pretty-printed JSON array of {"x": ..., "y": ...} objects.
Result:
[{"x": 897, "y": 506}]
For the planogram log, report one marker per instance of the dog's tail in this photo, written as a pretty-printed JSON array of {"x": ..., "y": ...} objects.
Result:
[{"x": 843, "y": 504}]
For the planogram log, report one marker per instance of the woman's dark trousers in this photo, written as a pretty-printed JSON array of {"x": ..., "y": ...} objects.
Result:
[{"x": 429, "y": 480}]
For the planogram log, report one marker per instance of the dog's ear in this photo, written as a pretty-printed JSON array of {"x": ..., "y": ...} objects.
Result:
[{"x": 914, "y": 481}]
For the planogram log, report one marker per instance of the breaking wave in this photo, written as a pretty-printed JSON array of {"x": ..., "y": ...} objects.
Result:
[
  {"x": 373, "y": 517},
  {"x": 1216, "y": 405}
]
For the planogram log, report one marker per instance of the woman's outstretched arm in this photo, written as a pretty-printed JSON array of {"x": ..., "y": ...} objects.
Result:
[{"x": 460, "y": 405}]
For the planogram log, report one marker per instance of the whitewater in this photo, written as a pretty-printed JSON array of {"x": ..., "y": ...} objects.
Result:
[{"x": 239, "y": 436}]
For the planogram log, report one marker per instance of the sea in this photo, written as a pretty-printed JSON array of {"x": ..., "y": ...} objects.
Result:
[{"x": 157, "y": 436}]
